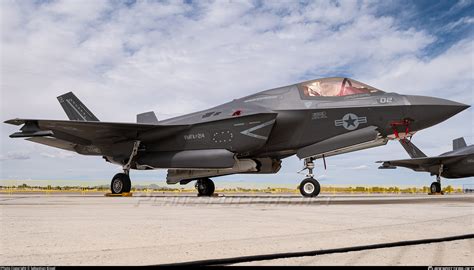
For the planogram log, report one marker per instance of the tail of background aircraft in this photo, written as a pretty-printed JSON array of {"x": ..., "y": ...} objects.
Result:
[
  {"x": 459, "y": 143},
  {"x": 411, "y": 149},
  {"x": 75, "y": 109}
]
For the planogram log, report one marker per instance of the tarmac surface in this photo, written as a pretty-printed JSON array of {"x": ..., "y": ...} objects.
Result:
[{"x": 154, "y": 228}]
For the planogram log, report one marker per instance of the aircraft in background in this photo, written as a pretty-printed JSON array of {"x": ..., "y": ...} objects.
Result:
[
  {"x": 313, "y": 119},
  {"x": 458, "y": 163}
]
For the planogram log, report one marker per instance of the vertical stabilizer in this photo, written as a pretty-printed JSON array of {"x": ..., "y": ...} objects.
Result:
[
  {"x": 75, "y": 109},
  {"x": 459, "y": 143},
  {"x": 147, "y": 118},
  {"x": 411, "y": 149}
]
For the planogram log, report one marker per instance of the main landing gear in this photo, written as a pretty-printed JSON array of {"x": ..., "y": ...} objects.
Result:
[
  {"x": 121, "y": 181},
  {"x": 309, "y": 187},
  {"x": 205, "y": 187},
  {"x": 435, "y": 187}
]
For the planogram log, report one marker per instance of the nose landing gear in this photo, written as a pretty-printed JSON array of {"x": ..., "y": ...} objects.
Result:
[{"x": 309, "y": 187}]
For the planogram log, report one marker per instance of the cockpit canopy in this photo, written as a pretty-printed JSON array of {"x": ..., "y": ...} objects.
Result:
[{"x": 336, "y": 87}]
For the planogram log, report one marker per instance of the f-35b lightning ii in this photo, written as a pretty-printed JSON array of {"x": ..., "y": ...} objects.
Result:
[
  {"x": 313, "y": 119},
  {"x": 458, "y": 163}
]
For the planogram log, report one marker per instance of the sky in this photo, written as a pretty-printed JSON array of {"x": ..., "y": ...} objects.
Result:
[{"x": 122, "y": 58}]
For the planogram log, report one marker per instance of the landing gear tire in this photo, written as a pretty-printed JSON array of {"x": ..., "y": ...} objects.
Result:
[
  {"x": 310, "y": 187},
  {"x": 435, "y": 187},
  {"x": 205, "y": 187},
  {"x": 120, "y": 184}
]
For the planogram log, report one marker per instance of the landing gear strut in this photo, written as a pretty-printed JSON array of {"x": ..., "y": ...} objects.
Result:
[
  {"x": 309, "y": 187},
  {"x": 205, "y": 187},
  {"x": 121, "y": 181},
  {"x": 436, "y": 186}
]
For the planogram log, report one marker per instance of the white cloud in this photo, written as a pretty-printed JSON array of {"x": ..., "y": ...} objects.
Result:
[
  {"x": 15, "y": 155},
  {"x": 57, "y": 154},
  {"x": 464, "y": 21},
  {"x": 360, "y": 167},
  {"x": 460, "y": 4}
]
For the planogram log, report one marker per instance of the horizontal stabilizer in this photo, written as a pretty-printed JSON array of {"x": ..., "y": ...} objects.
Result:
[
  {"x": 75, "y": 109},
  {"x": 41, "y": 133},
  {"x": 411, "y": 149},
  {"x": 147, "y": 118},
  {"x": 459, "y": 143},
  {"x": 31, "y": 129}
]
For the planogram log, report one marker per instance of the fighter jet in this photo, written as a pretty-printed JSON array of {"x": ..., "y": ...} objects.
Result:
[
  {"x": 250, "y": 135},
  {"x": 458, "y": 163}
]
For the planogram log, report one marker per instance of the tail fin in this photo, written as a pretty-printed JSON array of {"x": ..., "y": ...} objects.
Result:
[
  {"x": 75, "y": 109},
  {"x": 459, "y": 143},
  {"x": 411, "y": 149},
  {"x": 147, "y": 118}
]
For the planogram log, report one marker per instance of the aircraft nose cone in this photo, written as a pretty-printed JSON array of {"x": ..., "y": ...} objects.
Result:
[
  {"x": 422, "y": 100},
  {"x": 429, "y": 111}
]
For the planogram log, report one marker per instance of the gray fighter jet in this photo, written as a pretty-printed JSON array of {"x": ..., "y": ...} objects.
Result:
[
  {"x": 313, "y": 119},
  {"x": 458, "y": 163}
]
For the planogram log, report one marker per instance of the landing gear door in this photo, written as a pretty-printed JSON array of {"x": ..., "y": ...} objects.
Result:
[{"x": 364, "y": 138}]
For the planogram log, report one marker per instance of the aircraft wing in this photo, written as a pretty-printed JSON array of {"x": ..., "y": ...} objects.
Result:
[
  {"x": 416, "y": 163},
  {"x": 86, "y": 132},
  {"x": 99, "y": 138}
]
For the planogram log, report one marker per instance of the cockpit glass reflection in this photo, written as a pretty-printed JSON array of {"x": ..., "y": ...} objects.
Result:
[{"x": 336, "y": 87}]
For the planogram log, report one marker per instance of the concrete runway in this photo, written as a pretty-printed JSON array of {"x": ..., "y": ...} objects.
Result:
[{"x": 148, "y": 229}]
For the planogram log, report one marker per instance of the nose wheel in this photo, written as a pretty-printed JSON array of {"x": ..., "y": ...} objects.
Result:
[
  {"x": 205, "y": 187},
  {"x": 309, "y": 187}
]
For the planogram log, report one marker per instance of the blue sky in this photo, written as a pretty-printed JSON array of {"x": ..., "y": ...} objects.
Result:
[{"x": 175, "y": 57}]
